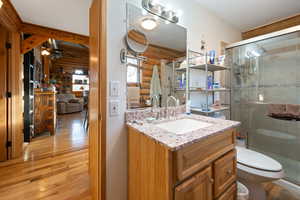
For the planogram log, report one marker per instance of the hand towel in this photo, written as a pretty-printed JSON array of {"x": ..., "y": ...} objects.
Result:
[{"x": 155, "y": 89}]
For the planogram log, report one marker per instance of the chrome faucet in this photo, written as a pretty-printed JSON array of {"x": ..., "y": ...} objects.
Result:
[
  {"x": 157, "y": 101},
  {"x": 171, "y": 98},
  {"x": 168, "y": 110}
]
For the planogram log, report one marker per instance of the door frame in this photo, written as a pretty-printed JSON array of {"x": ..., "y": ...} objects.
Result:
[
  {"x": 98, "y": 91},
  {"x": 97, "y": 159},
  {"x": 4, "y": 59}
]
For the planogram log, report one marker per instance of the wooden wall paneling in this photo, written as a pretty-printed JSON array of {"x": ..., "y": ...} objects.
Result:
[
  {"x": 97, "y": 100},
  {"x": 275, "y": 26},
  {"x": 32, "y": 42},
  {"x": 9, "y": 16},
  {"x": 154, "y": 56},
  {"x": 3, "y": 90},
  {"x": 73, "y": 58},
  {"x": 54, "y": 33},
  {"x": 16, "y": 102},
  {"x": 158, "y": 52}
]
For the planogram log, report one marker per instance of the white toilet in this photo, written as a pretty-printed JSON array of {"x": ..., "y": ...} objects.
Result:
[{"x": 255, "y": 168}]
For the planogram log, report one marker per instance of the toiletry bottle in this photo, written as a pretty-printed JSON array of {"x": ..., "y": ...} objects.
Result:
[
  {"x": 209, "y": 82},
  {"x": 188, "y": 107},
  {"x": 212, "y": 55}
]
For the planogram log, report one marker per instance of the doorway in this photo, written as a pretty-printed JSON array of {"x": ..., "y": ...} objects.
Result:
[
  {"x": 44, "y": 167},
  {"x": 55, "y": 161},
  {"x": 56, "y": 93}
]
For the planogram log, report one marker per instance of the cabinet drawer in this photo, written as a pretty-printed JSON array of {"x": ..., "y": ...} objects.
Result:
[
  {"x": 224, "y": 172},
  {"x": 230, "y": 194},
  {"x": 194, "y": 157},
  {"x": 198, "y": 187}
]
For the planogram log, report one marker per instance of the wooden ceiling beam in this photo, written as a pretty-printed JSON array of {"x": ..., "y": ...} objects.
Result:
[
  {"x": 54, "y": 33},
  {"x": 69, "y": 66},
  {"x": 32, "y": 42},
  {"x": 73, "y": 48},
  {"x": 272, "y": 27},
  {"x": 9, "y": 16},
  {"x": 73, "y": 64}
]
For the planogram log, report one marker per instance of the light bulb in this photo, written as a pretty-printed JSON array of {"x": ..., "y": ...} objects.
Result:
[
  {"x": 149, "y": 24},
  {"x": 1, "y": 3},
  {"x": 45, "y": 52},
  {"x": 179, "y": 13}
]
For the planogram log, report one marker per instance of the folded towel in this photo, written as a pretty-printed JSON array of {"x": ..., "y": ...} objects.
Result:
[
  {"x": 293, "y": 110},
  {"x": 155, "y": 89},
  {"x": 288, "y": 111},
  {"x": 276, "y": 109}
]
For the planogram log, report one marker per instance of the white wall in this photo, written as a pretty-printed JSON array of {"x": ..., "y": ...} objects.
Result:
[{"x": 200, "y": 23}]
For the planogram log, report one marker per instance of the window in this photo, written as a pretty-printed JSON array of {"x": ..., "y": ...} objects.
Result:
[
  {"x": 133, "y": 75},
  {"x": 80, "y": 83},
  {"x": 78, "y": 71}
]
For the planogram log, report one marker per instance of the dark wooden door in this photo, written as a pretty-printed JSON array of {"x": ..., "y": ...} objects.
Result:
[{"x": 3, "y": 93}]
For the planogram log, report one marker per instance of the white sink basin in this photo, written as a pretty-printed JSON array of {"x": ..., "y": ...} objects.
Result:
[{"x": 183, "y": 126}]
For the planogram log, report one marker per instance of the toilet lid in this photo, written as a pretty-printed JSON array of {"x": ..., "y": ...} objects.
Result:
[{"x": 257, "y": 160}]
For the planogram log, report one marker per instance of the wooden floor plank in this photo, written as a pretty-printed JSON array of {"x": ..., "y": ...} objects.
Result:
[{"x": 53, "y": 167}]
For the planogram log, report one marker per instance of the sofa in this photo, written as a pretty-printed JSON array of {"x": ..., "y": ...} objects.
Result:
[{"x": 68, "y": 103}]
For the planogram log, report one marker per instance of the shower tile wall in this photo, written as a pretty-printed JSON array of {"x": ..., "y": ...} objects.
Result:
[{"x": 272, "y": 77}]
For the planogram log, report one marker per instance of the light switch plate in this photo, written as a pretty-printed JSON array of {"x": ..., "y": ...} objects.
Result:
[
  {"x": 114, "y": 107},
  {"x": 114, "y": 88}
]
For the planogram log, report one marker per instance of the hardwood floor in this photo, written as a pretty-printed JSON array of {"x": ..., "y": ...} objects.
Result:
[
  {"x": 53, "y": 167},
  {"x": 70, "y": 135},
  {"x": 278, "y": 192}
]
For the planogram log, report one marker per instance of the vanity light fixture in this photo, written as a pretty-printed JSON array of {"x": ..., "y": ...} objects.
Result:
[
  {"x": 164, "y": 12},
  {"x": 1, "y": 3},
  {"x": 149, "y": 24}
]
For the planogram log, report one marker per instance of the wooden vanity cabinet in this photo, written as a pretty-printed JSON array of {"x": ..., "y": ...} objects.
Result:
[{"x": 205, "y": 170}]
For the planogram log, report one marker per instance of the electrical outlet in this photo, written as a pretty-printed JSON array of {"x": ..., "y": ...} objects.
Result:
[
  {"x": 114, "y": 107},
  {"x": 114, "y": 88}
]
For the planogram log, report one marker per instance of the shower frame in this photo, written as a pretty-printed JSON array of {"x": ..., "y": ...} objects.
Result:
[{"x": 283, "y": 32}]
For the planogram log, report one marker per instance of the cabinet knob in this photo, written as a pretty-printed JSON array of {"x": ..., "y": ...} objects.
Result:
[
  {"x": 229, "y": 172},
  {"x": 212, "y": 180}
]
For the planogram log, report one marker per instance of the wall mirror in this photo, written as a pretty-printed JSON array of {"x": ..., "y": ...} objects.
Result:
[{"x": 156, "y": 60}]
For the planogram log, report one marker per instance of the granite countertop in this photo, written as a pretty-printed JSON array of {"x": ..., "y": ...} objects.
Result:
[{"x": 175, "y": 142}]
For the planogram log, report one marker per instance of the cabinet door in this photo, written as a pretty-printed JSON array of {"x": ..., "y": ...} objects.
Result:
[
  {"x": 225, "y": 172},
  {"x": 230, "y": 194},
  {"x": 199, "y": 187}
]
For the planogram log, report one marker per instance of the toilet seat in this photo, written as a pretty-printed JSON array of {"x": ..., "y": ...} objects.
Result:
[{"x": 256, "y": 160}]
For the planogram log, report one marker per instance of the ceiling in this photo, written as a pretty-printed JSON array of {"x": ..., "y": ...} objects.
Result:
[
  {"x": 248, "y": 14},
  {"x": 72, "y": 15},
  {"x": 67, "y": 15}
]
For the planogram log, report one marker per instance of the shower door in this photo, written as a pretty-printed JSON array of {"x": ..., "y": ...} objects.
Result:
[{"x": 265, "y": 77}]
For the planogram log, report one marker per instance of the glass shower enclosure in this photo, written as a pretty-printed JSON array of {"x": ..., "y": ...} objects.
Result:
[{"x": 265, "y": 95}]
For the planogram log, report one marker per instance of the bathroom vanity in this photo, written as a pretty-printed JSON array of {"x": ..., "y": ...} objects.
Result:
[{"x": 190, "y": 157}]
